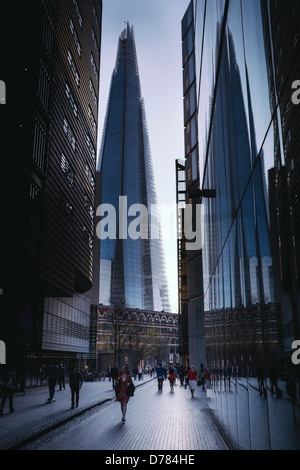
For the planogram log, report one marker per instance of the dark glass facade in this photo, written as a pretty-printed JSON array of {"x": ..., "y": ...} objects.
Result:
[
  {"x": 130, "y": 269},
  {"x": 49, "y": 153},
  {"x": 194, "y": 305},
  {"x": 246, "y": 60}
]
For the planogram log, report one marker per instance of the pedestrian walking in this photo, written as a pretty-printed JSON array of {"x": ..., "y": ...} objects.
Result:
[
  {"x": 208, "y": 378},
  {"x": 261, "y": 380},
  {"x": 140, "y": 371},
  {"x": 9, "y": 387},
  {"x": 75, "y": 383},
  {"x": 160, "y": 375},
  {"x": 186, "y": 377},
  {"x": 291, "y": 390},
  {"x": 273, "y": 378},
  {"x": 202, "y": 376},
  {"x": 52, "y": 373},
  {"x": 62, "y": 376},
  {"x": 124, "y": 390},
  {"x": 171, "y": 380},
  {"x": 114, "y": 375},
  {"x": 109, "y": 373},
  {"x": 192, "y": 376}
]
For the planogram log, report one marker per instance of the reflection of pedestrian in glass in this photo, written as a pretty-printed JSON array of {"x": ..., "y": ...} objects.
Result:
[
  {"x": 273, "y": 378},
  {"x": 229, "y": 373},
  {"x": 8, "y": 389},
  {"x": 202, "y": 376},
  {"x": 291, "y": 390},
  {"x": 121, "y": 390},
  {"x": 261, "y": 379},
  {"x": 75, "y": 383}
]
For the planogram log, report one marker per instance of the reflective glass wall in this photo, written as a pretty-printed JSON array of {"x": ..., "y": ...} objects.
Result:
[{"x": 247, "y": 58}]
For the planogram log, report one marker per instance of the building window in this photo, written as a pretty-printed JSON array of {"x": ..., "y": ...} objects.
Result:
[
  {"x": 93, "y": 92},
  {"x": 75, "y": 37},
  {"x": 93, "y": 63},
  {"x": 87, "y": 237},
  {"x": 69, "y": 133},
  {"x": 96, "y": 17},
  {"x": 39, "y": 152},
  {"x": 91, "y": 147},
  {"x": 71, "y": 100},
  {"x": 73, "y": 68},
  {"x": 95, "y": 41},
  {"x": 89, "y": 175},
  {"x": 35, "y": 208},
  {"x": 66, "y": 207},
  {"x": 47, "y": 32},
  {"x": 67, "y": 170},
  {"x": 77, "y": 9},
  {"x": 44, "y": 88},
  {"x": 92, "y": 120},
  {"x": 88, "y": 205}
]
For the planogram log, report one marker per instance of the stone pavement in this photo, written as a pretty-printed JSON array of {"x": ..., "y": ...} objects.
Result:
[
  {"x": 154, "y": 421},
  {"x": 33, "y": 416}
]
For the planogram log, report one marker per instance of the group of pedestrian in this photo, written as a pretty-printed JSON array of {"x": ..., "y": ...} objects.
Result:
[{"x": 57, "y": 375}]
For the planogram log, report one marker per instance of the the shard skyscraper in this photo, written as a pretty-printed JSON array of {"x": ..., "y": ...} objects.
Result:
[{"x": 131, "y": 270}]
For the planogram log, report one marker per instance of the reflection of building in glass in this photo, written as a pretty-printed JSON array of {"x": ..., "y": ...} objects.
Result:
[
  {"x": 132, "y": 270},
  {"x": 237, "y": 258},
  {"x": 282, "y": 39},
  {"x": 246, "y": 59}
]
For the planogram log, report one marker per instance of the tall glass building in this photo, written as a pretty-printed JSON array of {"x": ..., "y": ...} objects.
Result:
[
  {"x": 132, "y": 270},
  {"x": 246, "y": 57}
]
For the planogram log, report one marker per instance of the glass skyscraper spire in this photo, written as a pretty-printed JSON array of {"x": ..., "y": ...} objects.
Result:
[{"x": 131, "y": 270}]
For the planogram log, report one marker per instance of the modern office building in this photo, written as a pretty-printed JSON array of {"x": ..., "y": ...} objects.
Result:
[
  {"x": 194, "y": 301},
  {"x": 282, "y": 36},
  {"x": 132, "y": 268},
  {"x": 52, "y": 84},
  {"x": 182, "y": 263},
  {"x": 246, "y": 60},
  {"x": 236, "y": 118}
]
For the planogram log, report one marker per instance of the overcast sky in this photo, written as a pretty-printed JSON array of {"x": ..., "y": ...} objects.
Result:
[{"x": 157, "y": 29}]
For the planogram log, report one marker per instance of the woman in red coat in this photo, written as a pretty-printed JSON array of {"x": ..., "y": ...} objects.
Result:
[
  {"x": 192, "y": 376},
  {"x": 124, "y": 380}
]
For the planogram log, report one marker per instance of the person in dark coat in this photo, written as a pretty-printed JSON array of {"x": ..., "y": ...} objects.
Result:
[
  {"x": 52, "y": 373},
  {"x": 75, "y": 383},
  {"x": 9, "y": 388},
  {"x": 62, "y": 376},
  {"x": 291, "y": 390},
  {"x": 114, "y": 375}
]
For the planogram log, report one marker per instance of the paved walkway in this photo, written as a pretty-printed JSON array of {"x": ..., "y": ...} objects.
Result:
[
  {"x": 32, "y": 415},
  {"x": 154, "y": 421}
]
